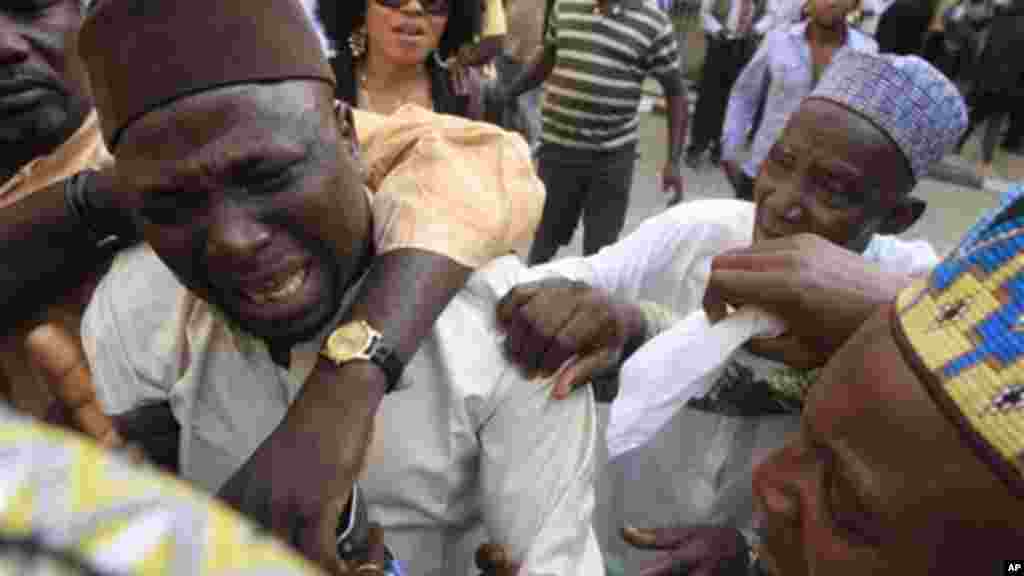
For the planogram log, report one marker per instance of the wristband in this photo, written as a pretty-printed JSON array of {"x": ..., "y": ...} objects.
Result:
[{"x": 103, "y": 226}]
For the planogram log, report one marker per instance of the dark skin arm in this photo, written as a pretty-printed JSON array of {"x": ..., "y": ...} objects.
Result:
[
  {"x": 484, "y": 51},
  {"x": 49, "y": 253},
  {"x": 328, "y": 428},
  {"x": 678, "y": 118},
  {"x": 536, "y": 73}
]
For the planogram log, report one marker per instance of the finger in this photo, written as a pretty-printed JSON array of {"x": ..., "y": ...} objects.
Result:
[
  {"x": 581, "y": 333},
  {"x": 547, "y": 314},
  {"x": 508, "y": 307},
  {"x": 694, "y": 553},
  {"x": 715, "y": 307},
  {"x": 666, "y": 565},
  {"x": 789, "y": 350},
  {"x": 581, "y": 371},
  {"x": 771, "y": 290},
  {"x": 655, "y": 538},
  {"x": 760, "y": 257}
]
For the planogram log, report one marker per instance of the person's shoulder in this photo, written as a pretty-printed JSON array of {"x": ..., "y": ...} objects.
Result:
[{"x": 721, "y": 213}]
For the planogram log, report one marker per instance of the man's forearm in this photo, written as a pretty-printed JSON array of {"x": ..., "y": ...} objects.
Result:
[
  {"x": 537, "y": 71},
  {"x": 678, "y": 120},
  {"x": 48, "y": 252},
  {"x": 486, "y": 50}
]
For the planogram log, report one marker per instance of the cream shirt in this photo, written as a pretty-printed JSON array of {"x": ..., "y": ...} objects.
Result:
[{"x": 470, "y": 443}]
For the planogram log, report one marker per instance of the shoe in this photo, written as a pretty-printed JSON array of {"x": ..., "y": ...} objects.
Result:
[{"x": 716, "y": 156}]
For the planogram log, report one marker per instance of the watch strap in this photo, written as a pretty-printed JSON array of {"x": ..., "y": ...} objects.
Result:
[{"x": 385, "y": 357}]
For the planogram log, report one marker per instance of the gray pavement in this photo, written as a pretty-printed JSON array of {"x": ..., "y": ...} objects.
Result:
[{"x": 951, "y": 210}]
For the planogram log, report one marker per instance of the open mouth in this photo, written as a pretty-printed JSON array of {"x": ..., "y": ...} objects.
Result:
[{"x": 278, "y": 289}]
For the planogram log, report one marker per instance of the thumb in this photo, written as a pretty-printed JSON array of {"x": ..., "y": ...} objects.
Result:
[
  {"x": 787, "y": 349},
  {"x": 577, "y": 371},
  {"x": 60, "y": 357}
]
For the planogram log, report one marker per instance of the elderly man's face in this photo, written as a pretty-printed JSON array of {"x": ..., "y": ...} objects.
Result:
[
  {"x": 43, "y": 97},
  {"x": 251, "y": 196},
  {"x": 834, "y": 174},
  {"x": 879, "y": 481}
]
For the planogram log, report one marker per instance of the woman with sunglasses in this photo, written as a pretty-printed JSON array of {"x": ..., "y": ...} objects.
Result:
[{"x": 394, "y": 52}]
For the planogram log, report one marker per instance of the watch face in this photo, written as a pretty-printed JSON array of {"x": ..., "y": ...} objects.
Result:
[{"x": 348, "y": 341}]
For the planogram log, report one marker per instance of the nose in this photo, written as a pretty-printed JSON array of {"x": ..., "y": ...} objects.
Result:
[
  {"x": 235, "y": 233},
  {"x": 790, "y": 204},
  {"x": 14, "y": 48}
]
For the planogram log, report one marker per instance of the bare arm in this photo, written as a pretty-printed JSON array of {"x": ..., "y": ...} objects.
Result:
[
  {"x": 536, "y": 73},
  {"x": 48, "y": 252},
  {"x": 328, "y": 428}
]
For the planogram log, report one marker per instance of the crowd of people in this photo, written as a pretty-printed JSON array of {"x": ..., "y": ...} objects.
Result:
[{"x": 264, "y": 311}]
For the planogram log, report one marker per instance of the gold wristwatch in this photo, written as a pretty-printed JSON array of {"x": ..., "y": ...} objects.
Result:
[{"x": 357, "y": 340}]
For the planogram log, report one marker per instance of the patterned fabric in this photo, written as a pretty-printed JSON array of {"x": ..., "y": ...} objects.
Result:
[
  {"x": 67, "y": 504},
  {"x": 965, "y": 325},
  {"x": 592, "y": 97},
  {"x": 905, "y": 97}
]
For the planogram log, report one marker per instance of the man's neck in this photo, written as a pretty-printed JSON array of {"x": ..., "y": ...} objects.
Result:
[{"x": 826, "y": 37}]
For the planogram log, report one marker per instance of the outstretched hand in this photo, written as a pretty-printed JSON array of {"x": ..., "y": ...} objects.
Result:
[
  {"x": 568, "y": 330},
  {"x": 694, "y": 550},
  {"x": 822, "y": 291}
]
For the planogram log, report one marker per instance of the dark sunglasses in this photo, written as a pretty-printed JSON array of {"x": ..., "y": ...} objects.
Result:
[{"x": 432, "y": 7}]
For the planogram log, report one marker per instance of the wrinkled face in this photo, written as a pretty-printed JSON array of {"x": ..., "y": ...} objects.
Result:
[
  {"x": 405, "y": 35},
  {"x": 251, "y": 196},
  {"x": 831, "y": 13},
  {"x": 879, "y": 481},
  {"x": 43, "y": 96},
  {"x": 831, "y": 173}
]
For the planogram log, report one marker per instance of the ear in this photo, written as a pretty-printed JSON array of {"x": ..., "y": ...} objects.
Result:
[{"x": 903, "y": 216}]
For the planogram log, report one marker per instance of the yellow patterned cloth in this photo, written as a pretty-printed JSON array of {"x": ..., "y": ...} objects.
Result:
[
  {"x": 965, "y": 325},
  {"x": 81, "y": 506}
]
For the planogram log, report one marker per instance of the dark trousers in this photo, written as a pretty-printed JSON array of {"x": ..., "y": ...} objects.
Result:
[
  {"x": 744, "y": 186},
  {"x": 993, "y": 107},
  {"x": 1015, "y": 134},
  {"x": 723, "y": 63},
  {"x": 594, "y": 184}
]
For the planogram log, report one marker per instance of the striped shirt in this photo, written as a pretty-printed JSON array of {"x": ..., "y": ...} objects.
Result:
[{"x": 593, "y": 94}]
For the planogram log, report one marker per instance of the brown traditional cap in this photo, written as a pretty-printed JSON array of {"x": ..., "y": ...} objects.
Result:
[{"x": 144, "y": 54}]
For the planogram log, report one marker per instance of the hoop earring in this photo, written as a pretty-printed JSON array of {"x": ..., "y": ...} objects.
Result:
[{"x": 357, "y": 42}]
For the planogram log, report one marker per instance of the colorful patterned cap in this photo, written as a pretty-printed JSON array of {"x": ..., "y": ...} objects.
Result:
[
  {"x": 963, "y": 327},
  {"x": 904, "y": 96}
]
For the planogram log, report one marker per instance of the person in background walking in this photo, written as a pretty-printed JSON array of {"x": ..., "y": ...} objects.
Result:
[
  {"x": 784, "y": 70},
  {"x": 731, "y": 28},
  {"x": 597, "y": 54},
  {"x": 999, "y": 80}
]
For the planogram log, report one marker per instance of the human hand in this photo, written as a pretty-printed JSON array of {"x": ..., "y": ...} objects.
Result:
[
  {"x": 567, "y": 329},
  {"x": 492, "y": 560},
  {"x": 823, "y": 293},
  {"x": 693, "y": 550},
  {"x": 672, "y": 180},
  {"x": 58, "y": 353},
  {"x": 324, "y": 434}
]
